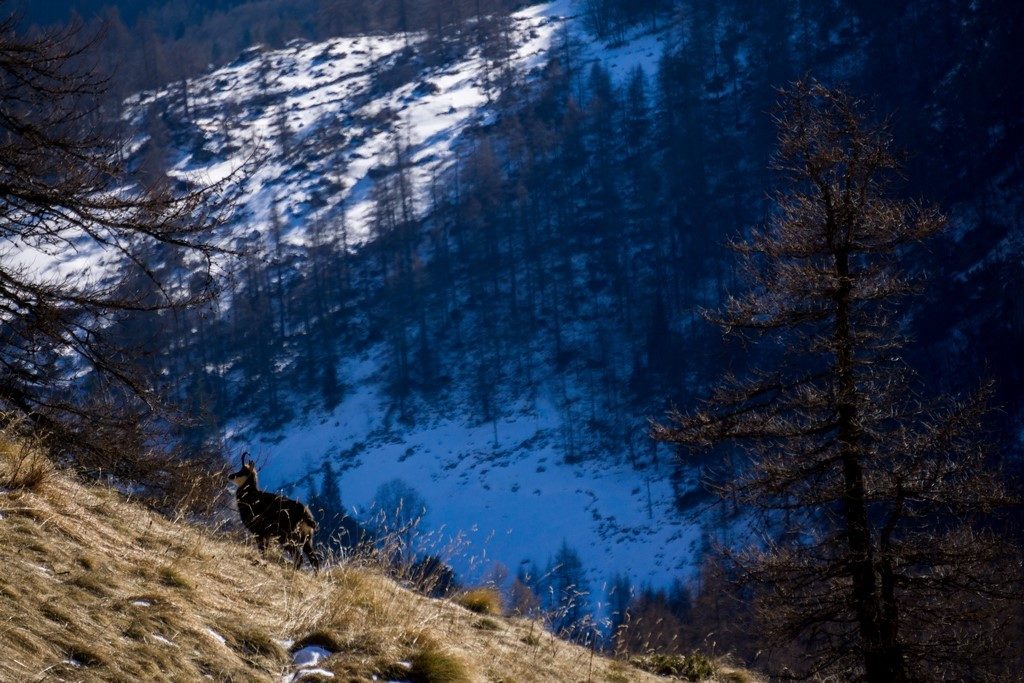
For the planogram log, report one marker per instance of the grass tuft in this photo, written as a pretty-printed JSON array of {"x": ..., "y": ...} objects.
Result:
[
  {"x": 431, "y": 665},
  {"x": 320, "y": 638},
  {"x": 82, "y": 654},
  {"x": 308, "y": 676},
  {"x": 531, "y": 639},
  {"x": 173, "y": 577},
  {"x": 691, "y": 667},
  {"x": 481, "y": 601},
  {"x": 253, "y": 641},
  {"x": 487, "y": 624},
  {"x": 92, "y": 581}
]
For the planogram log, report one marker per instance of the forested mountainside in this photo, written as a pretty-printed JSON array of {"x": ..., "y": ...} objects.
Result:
[{"x": 476, "y": 258}]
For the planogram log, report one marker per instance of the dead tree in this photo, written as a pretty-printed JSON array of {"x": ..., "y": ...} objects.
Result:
[{"x": 874, "y": 497}]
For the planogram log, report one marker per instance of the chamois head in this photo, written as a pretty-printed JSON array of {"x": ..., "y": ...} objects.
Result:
[{"x": 246, "y": 474}]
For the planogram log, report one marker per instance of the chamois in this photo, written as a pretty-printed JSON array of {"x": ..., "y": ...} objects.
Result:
[{"x": 269, "y": 515}]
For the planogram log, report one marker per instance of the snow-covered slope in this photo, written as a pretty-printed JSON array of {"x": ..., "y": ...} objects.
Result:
[
  {"x": 494, "y": 492},
  {"x": 324, "y": 120}
]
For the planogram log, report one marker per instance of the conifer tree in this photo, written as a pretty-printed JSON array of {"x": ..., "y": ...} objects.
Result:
[
  {"x": 874, "y": 494},
  {"x": 567, "y": 593},
  {"x": 620, "y": 595}
]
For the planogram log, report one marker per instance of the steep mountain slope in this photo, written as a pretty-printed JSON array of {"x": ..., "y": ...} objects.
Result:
[
  {"x": 476, "y": 263},
  {"x": 325, "y": 119},
  {"x": 98, "y": 588},
  {"x": 336, "y": 126}
]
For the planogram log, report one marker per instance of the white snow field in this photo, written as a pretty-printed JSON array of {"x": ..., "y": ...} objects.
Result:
[{"x": 494, "y": 492}]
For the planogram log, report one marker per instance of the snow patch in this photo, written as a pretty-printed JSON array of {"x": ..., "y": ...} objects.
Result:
[
  {"x": 332, "y": 106},
  {"x": 306, "y": 660},
  {"x": 160, "y": 639},
  {"x": 304, "y": 674},
  {"x": 311, "y": 655},
  {"x": 216, "y": 636}
]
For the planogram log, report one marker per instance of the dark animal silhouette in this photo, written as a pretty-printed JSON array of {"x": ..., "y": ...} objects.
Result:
[{"x": 268, "y": 516}]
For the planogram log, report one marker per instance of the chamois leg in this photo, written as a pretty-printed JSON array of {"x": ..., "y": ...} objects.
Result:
[
  {"x": 261, "y": 545},
  {"x": 293, "y": 547},
  {"x": 296, "y": 550},
  {"x": 311, "y": 553}
]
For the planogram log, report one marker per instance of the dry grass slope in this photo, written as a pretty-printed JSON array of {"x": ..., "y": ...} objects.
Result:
[{"x": 96, "y": 588}]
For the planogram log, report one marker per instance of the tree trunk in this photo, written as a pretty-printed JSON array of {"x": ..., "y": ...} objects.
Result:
[{"x": 882, "y": 660}]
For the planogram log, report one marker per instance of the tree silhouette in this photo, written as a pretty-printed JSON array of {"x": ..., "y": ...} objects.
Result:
[
  {"x": 567, "y": 593},
  {"x": 65, "y": 193},
  {"x": 874, "y": 494}
]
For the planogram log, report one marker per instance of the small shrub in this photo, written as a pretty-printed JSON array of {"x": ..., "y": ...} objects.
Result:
[
  {"x": 431, "y": 576},
  {"x": 481, "y": 601},
  {"x": 692, "y": 667},
  {"x": 698, "y": 667},
  {"x": 23, "y": 465}
]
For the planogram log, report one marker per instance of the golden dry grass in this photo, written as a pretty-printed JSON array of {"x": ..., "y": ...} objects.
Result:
[
  {"x": 25, "y": 465},
  {"x": 94, "y": 587}
]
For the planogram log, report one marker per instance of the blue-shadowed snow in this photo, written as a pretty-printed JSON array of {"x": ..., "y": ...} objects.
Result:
[
  {"x": 311, "y": 655},
  {"x": 495, "y": 492}
]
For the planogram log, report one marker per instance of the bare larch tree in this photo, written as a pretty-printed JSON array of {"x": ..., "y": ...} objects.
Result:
[
  {"x": 81, "y": 241},
  {"x": 874, "y": 552}
]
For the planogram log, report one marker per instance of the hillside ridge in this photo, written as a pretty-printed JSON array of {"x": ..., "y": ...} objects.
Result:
[{"x": 98, "y": 587}]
